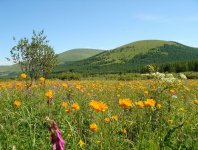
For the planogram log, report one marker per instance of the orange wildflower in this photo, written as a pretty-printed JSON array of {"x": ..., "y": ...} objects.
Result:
[
  {"x": 18, "y": 85},
  {"x": 98, "y": 105},
  {"x": 125, "y": 103},
  {"x": 65, "y": 85},
  {"x": 41, "y": 79},
  {"x": 49, "y": 94},
  {"x": 172, "y": 91},
  {"x": 93, "y": 127},
  {"x": 23, "y": 76},
  {"x": 150, "y": 103},
  {"x": 139, "y": 104},
  {"x": 107, "y": 120},
  {"x": 124, "y": 131},
  {"x": 196, "y": 101},
  {"x": 17, "y": 103},
  {"x": 64, "y": 104},
  {"x": 76, "y": 106}
]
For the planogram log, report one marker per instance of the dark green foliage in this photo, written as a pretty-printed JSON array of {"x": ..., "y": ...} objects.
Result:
[
  {"x": 35, "y": 57},
  {"x": 67, "y": 76},
  {"x": 180, "y": 66}
]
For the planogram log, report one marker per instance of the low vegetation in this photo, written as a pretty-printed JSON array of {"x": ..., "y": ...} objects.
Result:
[{"x": 99, "y": 114}]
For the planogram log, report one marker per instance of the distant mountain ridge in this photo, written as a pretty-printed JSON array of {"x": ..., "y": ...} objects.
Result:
[
  {"x": 132, "y": 56},
  {"x": 64, "y": 57},
  {"x": 126, "y": 58}
]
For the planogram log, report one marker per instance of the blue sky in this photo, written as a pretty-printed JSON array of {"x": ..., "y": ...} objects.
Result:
[{"x": 103, "y": 24}]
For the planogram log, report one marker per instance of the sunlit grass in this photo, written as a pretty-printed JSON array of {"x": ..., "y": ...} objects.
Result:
[{"x": 100, "y": 114}]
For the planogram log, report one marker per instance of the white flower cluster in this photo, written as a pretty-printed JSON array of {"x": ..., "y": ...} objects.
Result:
[
  {"x": 169, "y": 78},
  {"x": 182, "y": 76}
]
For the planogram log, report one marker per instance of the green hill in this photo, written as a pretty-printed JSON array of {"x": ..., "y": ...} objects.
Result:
[
  {"x": 9, "y": 70},
  {"x": 131, "y": 57},
  {"x": 77, "y": 54},
  {"x": 63, "y": 58}
]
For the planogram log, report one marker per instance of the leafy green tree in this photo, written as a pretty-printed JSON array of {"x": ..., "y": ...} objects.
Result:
[{"x": 35, "y": 57}]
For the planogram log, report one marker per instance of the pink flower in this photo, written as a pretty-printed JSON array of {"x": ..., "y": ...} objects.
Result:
[{"x": 56, "y": 137}]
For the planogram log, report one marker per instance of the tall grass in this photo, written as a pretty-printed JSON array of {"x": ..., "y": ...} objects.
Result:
[{"x": 174, "y": 125}]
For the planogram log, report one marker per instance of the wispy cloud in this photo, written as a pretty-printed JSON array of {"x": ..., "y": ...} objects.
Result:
[
  {"x": 151, "y": 18},
  {"x": 165, "y": 19}
]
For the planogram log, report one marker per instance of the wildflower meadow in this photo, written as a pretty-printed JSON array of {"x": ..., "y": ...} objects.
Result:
[{"x": 98, "y": 114}]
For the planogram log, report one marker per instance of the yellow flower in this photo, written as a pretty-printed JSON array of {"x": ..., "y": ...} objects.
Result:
[
  {"x": 35, "y": 86},
  {"x": 49, "y": 94},
  {"x": 41, "y": 79},
  {"x": 118, "y": 95},
  {"x": 170, "y": 121},
  {"x": 146, "y": 92},
  {"x": 68, "y": 110},
  {"x": 93, "y": 127},
  {"x": 181, "y": 109},
  {"x": 18, "y": 85},
  {"x": 78, "y": 87},
  {"x": 17, "y": 103},
  {"x": 76, "y": 106},
  {"x": 150, "y": 103},
  {"x": 196, "y": 101},
  {"x": 139, "y": 104},
  {"x": 159, "y": 105},
  {"x": 115, "y": 117},
  {"x": 64, "y": 104},
  {"x": 98, "y": 142},
  {"x": 107, "y": 120},
  {"x": 124, "y": 131},
  {"x": 187, "y": 89},
  {"x": 23, "y": 76},
  {"x": 98, "y": 105},
  {"x": 125, "y": 103},
  {"x": 65, "y": 85},
  {"x": 2, "y": 85},
  {"x": 172, "y": 91},
  {"x": 68, "y": 135},
  {"x": 81, "y": 143}
]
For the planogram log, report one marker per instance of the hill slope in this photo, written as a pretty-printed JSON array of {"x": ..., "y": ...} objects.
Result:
[
  {"x": 127, "y": 58},
  {"x": 9, "y": 70},
  {"x": 63, "y": 58},
  {"x": 77, "y": 54},
  {"x": 130, "y": 57}
]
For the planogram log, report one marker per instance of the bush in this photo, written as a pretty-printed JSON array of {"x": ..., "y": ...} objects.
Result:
[
  {"x": 191, "y": 75},
  {"x": 69, "y": 76}
]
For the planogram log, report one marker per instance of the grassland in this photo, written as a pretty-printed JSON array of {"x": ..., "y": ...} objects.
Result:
[
  {"x": 77, "y": 54},
  {"x": 133, "y": 57},
  {"x": 141, "y": 114}
]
